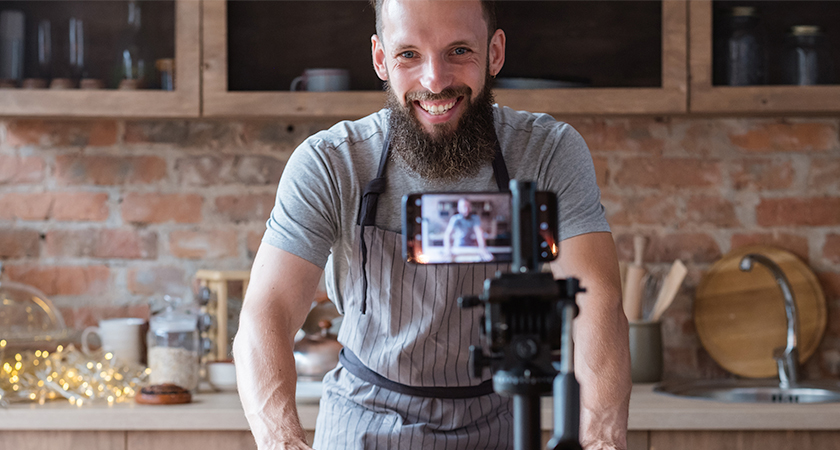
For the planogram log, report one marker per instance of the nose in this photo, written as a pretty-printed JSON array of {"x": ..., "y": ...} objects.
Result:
[{"x": 437, "y": 74}]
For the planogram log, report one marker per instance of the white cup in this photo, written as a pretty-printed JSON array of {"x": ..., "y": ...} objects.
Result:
[
  {"x": 322, "y": 80},
  {"x": 123, "y": 337},
  {"x": 222, "y": 375}
]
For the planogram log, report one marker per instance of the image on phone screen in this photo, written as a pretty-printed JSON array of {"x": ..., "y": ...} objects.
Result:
[{"x": 447, "y": 228}]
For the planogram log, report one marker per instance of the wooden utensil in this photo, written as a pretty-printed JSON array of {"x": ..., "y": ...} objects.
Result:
[
  {"x": 740, "y": 316},
  {"x": 633, "y": 282},
  {"x": 669, "y": 289}
]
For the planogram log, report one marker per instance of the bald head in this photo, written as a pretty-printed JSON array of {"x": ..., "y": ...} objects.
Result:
[{"x": 488, "y": 7}]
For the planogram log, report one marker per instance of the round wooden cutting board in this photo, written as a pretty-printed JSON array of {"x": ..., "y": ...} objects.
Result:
[{"x": 740, "y": 316}]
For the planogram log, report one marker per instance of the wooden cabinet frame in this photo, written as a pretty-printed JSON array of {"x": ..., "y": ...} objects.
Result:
[
  {"x": 184, "y": 101},
  {"x": 670, "y": 98},
  {"x": 706, "y": 98}
]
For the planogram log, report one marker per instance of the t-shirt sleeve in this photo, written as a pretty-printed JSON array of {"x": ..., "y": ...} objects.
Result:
[
  {"x": 571, "y": 175},
  {"x": 304, "y": 220}
]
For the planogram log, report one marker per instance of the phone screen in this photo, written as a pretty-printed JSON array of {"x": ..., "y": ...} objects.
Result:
[{"x": 451, "y": 228}]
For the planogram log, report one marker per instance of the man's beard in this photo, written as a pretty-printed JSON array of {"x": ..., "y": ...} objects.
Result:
[{"x": 455, "y": 151}]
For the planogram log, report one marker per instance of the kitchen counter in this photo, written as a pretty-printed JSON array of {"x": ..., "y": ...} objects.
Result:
[{"x": 222, "y": 411}]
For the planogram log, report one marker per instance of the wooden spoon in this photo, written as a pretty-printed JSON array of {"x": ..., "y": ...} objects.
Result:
[{"x": 669, "y": 289}]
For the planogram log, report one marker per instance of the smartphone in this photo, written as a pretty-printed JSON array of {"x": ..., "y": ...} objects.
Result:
[{"x": 470, "y": 227}]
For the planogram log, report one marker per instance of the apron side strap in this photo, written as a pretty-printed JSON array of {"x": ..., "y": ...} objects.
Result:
[{"x": 351, "y": 362}]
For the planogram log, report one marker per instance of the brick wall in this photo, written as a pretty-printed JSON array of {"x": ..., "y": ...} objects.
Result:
[{"x": 103, "y": 215}]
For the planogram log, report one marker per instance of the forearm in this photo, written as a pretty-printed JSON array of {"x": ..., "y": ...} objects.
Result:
[
  {"x": 602, "y": 351},
  {"x": 265, "y": 370},
  {"x": 602, "y": 365}
]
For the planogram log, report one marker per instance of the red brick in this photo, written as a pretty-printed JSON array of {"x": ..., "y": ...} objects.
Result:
[
  {"x": 244, "y": 208},
  {"x": 160, "y": 208},
  {"x": 102, "y": 243},
  {"x": 648, "y": 210},
  {"x": 61, "y": 133},
  {"x": 830, "y": 282},
  {"x": 242, "y": 169},
  {"x": 203, "y": 244},
  {"x": 109, "y": 170},
  {"x": 197, "y": 134},
  {"x": 65, "y": 206},
  {"x": 87, "y": 316},
  {"x": 831, "y": 249},
  {"x": 21, "y": 170},
  {"x": 26, "y": 206},
  {"x": 602, "y": 171},
  {"x": 824, "y": 175},
  {"x": 621, "y": 135},
  {"x": 62, "y": 280},
  {"x": 694, "y": 247},
  {"x": 797, "y": 245},
  {"x": 762, "y": 175},
  {"x": 786, "y": 137},
  {"x": 80, "y": 206},
  {"x": 158, "y": 280},
  {"x": 713, "y": 211},
  {"x": 668, "y": 173},
  {"x": 279, "y": 136},
  {"x": 813, "y": 212},
  {"x": 254, "y": 239},
  {"x": 19, "y": 243},
  {"x": 703, "y": 137}
]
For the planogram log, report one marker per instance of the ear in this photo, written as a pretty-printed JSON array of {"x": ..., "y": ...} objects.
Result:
[
  {"x": 378, "y": 53},
  {"x": 496, "y": 52}
]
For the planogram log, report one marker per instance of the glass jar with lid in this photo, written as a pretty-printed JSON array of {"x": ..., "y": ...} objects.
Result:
[
  {"x": 741, "y": 58},
  {"x": 174, "y": 346},
  {"x": 806, "y": 57}
]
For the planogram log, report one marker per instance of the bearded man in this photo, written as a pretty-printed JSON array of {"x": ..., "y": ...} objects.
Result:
[{"x": 403, "y": 381}]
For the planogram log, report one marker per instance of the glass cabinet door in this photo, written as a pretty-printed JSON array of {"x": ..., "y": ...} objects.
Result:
[
  {"x": 562, "y": 57},
  {"x": 99, "y": 58}
]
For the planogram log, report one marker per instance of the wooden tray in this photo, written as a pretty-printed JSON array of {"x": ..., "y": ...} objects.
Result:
[{"x": 740, "y": 316}]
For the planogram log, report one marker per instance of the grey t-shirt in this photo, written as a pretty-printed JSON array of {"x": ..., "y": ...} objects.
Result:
[{"x": 318, "y": 198}]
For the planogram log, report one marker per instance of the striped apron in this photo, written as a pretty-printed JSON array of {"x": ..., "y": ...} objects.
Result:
[{"x": 403, "y": 379}]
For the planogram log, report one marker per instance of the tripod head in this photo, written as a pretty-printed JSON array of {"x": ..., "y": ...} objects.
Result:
[{"x": 528, "y": 319}]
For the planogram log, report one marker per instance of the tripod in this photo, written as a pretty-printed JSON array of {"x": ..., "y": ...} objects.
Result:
[{"x": 528, "y": 317}]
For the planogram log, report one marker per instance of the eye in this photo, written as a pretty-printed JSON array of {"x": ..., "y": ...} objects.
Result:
[
  {"x": 460, "y": 51},
  {"x": 407, "y": 54}
]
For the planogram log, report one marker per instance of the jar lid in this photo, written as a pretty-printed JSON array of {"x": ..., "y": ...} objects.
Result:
[
  {"x": 805, "y": 30},
  {"x": 743, "y": 11},
  {"x": 173, "y": 323}
]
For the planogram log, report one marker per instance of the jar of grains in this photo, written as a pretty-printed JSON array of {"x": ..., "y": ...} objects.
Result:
[{"x": 173, "y": 343}]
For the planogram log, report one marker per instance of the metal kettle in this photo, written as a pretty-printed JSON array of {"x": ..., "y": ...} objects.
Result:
[{"x": 316, "y": 353}]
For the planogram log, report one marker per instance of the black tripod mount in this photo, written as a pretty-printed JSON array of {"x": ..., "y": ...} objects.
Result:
[{"x": 527, "y": 321}]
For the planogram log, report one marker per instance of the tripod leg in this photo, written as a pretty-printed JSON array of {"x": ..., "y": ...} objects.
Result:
[{"x": 526, "y": 426}]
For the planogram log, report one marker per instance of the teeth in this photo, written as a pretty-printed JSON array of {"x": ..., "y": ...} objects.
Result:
[{"x": 437, "y": 110}]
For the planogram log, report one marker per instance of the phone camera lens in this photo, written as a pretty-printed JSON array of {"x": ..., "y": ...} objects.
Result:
[{"x": 544, "y": 226}]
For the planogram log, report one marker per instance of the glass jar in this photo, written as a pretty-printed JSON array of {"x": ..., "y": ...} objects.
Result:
[
  {"x": 806, "y": 57},
  {"x": 174, "y": 348},
  {"x": 742, "y": 58}
]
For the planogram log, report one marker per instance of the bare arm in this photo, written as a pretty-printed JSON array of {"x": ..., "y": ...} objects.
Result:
[
  {"x": 278, "y": 299},
  {"x": 602, "y": 351}
]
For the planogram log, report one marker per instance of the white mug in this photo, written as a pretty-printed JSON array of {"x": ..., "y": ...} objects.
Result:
[
  {"x": 125, "y": 338},
  {"x": 322, "y": 80}
]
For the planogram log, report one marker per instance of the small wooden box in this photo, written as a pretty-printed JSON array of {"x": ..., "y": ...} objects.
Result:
[{"x": 227, "y": 291}]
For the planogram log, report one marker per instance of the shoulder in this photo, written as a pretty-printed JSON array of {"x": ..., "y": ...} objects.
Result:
[
  {"x": 349, "y": 134},
  {"x": 526, "y": 128}
]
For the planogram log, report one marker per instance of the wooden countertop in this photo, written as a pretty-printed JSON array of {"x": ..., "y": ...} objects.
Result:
[{"x": 222, "y": 411}]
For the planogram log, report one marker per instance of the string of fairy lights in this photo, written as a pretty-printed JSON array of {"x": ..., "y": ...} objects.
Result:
[{"x": 67, "y": 373}]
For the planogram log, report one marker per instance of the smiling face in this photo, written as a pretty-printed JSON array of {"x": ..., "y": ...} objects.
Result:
[{"x": 435, "y": 56}]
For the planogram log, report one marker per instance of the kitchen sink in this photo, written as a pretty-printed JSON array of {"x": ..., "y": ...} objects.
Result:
[{"x": 754, "y": 391}]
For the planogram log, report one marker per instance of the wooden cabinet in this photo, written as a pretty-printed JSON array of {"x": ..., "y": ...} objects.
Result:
[
  {"x": 625, "y": 57},
  {"x": 252, "y": 51},
  {"x": 173, "y": 26},
  {"x": 776, "y": 19}
]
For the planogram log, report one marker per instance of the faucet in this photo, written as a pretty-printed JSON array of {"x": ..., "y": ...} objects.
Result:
[{"x": 786, "y": 358}]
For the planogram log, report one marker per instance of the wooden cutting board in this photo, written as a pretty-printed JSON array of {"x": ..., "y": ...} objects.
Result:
[{"x": 740, "y": 316}]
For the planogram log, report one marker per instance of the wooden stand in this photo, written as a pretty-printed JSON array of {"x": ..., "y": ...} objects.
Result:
[{"x": 217, "y": 281}]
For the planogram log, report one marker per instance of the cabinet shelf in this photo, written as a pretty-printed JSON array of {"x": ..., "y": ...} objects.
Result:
[
  {"x": 706, "y": 97},
  {"x": 654, "y": 83},
  {"x": 184, "y": 101}
]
